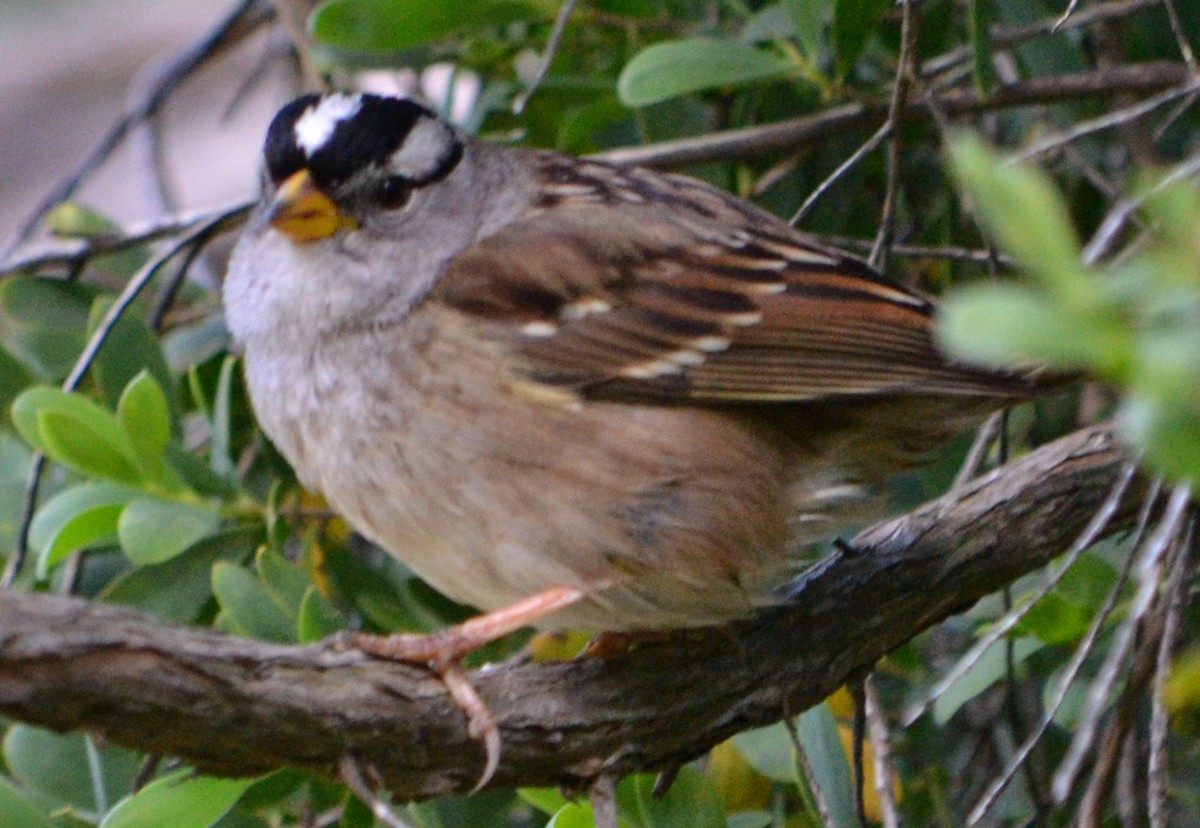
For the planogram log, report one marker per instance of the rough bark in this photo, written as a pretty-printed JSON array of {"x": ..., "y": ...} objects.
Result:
[{"x": 233, "y": 706}]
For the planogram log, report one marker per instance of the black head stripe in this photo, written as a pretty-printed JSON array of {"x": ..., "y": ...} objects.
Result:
[
  {"x": 368, "y": 134},
  {"x": 283, "y": 156}
]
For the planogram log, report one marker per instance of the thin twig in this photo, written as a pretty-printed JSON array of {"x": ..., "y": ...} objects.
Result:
[
  {"x": 913, "y": 251},
  {"x": 1066, "y": 679},
  {"x": 904, "y": 73},
  {"x": 867, "y": 147},
  {"x": 787, "y": 135},
  {"x": 1107, "y": 121},
  {"x": 244, "y": 19},
  {"x": 73, "y": 253},
  {"x": 350, "y": 773},
  {"x": 1115, "y": 220},
  {"x": 1185, "y": 48},
  {"x": 1066, "y": 15},
  {"x": 198, "y": 235},
  {"x": 603, "y": 798},
  {"x": 1001, "y": 627},
  {"x": 1174, "y": 601},
  {"x": 810, "y": 776},
  {"x": 556, "y": 33},
  {"x": 877, "y": 730},
  {"x": 984, "y": 437},
  {"x": 1008, "y": 37},
  {"x": 1147, "y": 569}
]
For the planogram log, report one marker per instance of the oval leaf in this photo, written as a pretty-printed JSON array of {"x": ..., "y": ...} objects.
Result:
[
  {"x": 666, "y": 70},
  {"x": 67, "y": 505},
  {"x": 152, "y": 530},
  {"x": 15, "y": 809},
  {"x": 144, "y": 413},
  {"x": 76, "y": 432},
  {"x": 390, "y": 25},
  {"x": 248, "y": 606},
  {"x": 181, "y": 800}
]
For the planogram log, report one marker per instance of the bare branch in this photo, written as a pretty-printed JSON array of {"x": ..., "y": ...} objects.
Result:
[
  {"x": 234, "y": 706},
  {"x": 1140, "y": 78}
]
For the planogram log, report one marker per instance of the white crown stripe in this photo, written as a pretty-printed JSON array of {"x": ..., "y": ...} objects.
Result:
[{"x": 317, "y": 124}]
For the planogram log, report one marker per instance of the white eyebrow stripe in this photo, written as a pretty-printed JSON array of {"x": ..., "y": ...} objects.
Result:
[
  {"x": 423, "y": 149},
  {"x": 316, "y": 125}
]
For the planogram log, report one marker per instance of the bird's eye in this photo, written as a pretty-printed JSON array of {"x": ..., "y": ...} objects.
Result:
[{"x": 394, "y": 192}]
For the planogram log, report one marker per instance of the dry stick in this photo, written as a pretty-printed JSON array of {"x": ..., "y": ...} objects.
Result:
[
  {"x": 810, "y": 775},
  {"x": 244, "y": 19},
  {"x": 810, "y": 129},
  {"x": 556, "y": 33},
  {"x": 196, "y": 236},
  {"x": 1185, "y": 48},
  {"x": 1112, "y": 119},
  {"x": 920, "y": 251},
  {"x": 74, "y": 253},
  {"x": 986, "y": 434},
  {"x": 1000, "y": 628},
  {"x": 877, "y": 730},
  {"x": 1067, "y": 679},
  {"x": 1175, "y": 597},
  {"x": 1147, "y": 570},
  {"x": 904, "y": 72},
  {"x": 1004, "y": 38},
  {"x": 352, "y": 775},
  {"x": 865, "y": 148},
  {"x": 1119, "y": 730},
  {"x": 1107, "y": 232}
]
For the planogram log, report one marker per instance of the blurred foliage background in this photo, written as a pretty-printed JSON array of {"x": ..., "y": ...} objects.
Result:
[{"x": 1036, "y": 163}]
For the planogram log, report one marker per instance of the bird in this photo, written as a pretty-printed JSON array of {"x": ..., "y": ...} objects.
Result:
[{"x": 569, "y": 393}]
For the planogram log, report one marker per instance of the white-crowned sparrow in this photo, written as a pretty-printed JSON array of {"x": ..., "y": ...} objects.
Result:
[{"x": 628, "y": 394}]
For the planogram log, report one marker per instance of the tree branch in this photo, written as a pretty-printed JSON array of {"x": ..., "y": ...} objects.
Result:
[
  {"x": 1138, "y": 78},
  {"x": 234, "y": 706}
]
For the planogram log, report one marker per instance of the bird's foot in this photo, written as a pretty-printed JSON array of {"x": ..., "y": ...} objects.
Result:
[{"x": 443, "y": 651}]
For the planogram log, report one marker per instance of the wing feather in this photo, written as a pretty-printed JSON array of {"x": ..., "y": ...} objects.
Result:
[{"x": 684, "y": 293}]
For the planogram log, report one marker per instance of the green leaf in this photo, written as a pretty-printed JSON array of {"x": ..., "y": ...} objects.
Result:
[
  {"x": 573, "y": 815},
  {"x": 810, "y": 17},
  {"x": 769, "y": 751},
  {"x": 14, "y": 379},
  {"x": 666, "y": 70},
  {"x": 130, "y": 349},
  {"x": 1001, "y": 324},
  {"x": 750, "y": 819},
  {"x": 219, "y": 459},
  {"x": 16, "y": 810},
  {"x": 42, "y": 323},
  {"x": 142, "y": 409},
  {"x": 546, "y": 800},
  {"x": 56, "y": 766},
  {"x": 854, "y": 24},
  {"x": 72, "y": 219},
  {"x": 691, "y": 800},
  {"x": 181, "y": 800},
  {"x": 180, "y": 588},
  {"x": 317, "y": 618},
  {"x": 248, "y": 606},
  {"x": 979, "y": 19},
  {"x": 991, "y": 667},
  {"x": 1170, "y": 434},
  {"x": 91, "y": 527},
  {"x": 1025, "y": 212},
  {"x": 391, "y": 25},
  {"x": 823, "y": 747},
  {"x": 74, "y": 518},
  {"x": 283, "y": 579},
  {"x": 152, "y": 530},
  {"x": 76, "y": 432}
]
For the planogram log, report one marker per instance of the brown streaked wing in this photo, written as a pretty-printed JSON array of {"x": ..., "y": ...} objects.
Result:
[{"x": 719, "y": 304}]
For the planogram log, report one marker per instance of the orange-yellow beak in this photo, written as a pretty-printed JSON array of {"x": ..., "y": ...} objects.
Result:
[{"x": 303, "y": 213}]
